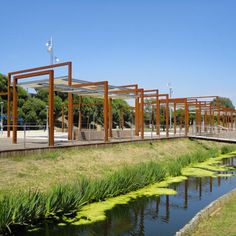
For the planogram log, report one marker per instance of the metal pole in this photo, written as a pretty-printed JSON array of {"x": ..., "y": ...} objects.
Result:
[
  {"x": 47, "y": 119},
  {"x": 47, "y": 128},
  {"x": 88, "y": 121},
  {"x": 80, "y": 120},
  {"x": 62, "y": 119},
  {"x": 94, "y": 121},
  {"x": 151, "y": 124},
  {"x": 2, "y": 118},
  {"x": 131, "y": 127},
  {"x": 24, "y": 135},
  {"x": 51, "y": 52},
  {"x": 89, "y": 129},
  {"x": 174, "y": 118}
]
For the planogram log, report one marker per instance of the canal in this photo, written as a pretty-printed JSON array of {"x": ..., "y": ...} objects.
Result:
[{"x": 162, "y": 215}]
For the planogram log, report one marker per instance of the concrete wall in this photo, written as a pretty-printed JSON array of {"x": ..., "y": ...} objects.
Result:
[
  {"x": 37, "y": 151},
  {"x": 86, "y": 135}
]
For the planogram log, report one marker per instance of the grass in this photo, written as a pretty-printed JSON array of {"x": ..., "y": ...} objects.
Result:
[
  {"x": 220, "y": 223},
  {"x": 45, "y": 170},
  {"x": 122, "y": 169}
]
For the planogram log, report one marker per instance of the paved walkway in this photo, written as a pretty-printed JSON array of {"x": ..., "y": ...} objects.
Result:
[{"x": 39, "y": 139}]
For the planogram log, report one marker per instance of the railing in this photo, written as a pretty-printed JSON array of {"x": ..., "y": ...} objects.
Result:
[{"x": 30, "y": 135}]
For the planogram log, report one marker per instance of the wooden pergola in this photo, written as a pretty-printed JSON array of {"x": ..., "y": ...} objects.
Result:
[{"x": 202, "y": 107}]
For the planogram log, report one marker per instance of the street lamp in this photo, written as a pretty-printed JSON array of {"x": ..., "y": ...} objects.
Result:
[
  {"x": 1, "y": 117},
  {"x": 171, "y": 92},
  {"x": 50, "y": 50}
]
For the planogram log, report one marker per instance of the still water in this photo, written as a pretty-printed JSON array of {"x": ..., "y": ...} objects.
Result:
[{"x": 155, "y": 216}]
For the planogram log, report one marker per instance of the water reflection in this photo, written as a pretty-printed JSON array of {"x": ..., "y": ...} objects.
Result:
[{"x": 162, "y": 215}]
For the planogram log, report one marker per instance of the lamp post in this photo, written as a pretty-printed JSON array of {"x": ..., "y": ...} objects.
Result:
[
  {"x": 50, "y": 50},
  {"x": 1, "y": 117},
  {"x": 171, "y": 92}
]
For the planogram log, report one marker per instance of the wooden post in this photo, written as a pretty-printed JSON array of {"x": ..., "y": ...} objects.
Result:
[
  {"x": 200, "y": 117},
  {"x": 70, "y": 104},
  {"x": 186, "y": 117},
  {"x": 9, "y": 106},
  {"x": 137, "y": 116},
  {"x": 157, "y": 116},
  {"x": 110, "y": 117},
  {"x": 106, "y": 110},
  {"x": 218, "y": 119},
  {"x": 167, "y": 116},
  {"x": 51, "y": 108},
  {"x": 14, "y": 112},
  {"x": 142, "y": 114}
]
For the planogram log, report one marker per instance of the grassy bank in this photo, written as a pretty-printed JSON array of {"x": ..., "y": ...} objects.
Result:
[
  {"x": 75, "y": 178},
  {"x": 222, "y": 222},
  {"x": 44, "y": 171}
]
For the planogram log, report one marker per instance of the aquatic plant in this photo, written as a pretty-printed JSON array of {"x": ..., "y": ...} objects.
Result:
[{"x": 226, "y": 149}]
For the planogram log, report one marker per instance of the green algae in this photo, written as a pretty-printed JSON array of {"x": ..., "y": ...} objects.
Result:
[
  {"x": 197, "y": 172},
  {"x": 209, "y": 168},
  {"x": 36, "y": 229},
  {"x": 96, "y": 212},
  {"x": 213, "y": 166},
  {"x": 62, "y": 224},
  {"x": 228, "y": 155}
]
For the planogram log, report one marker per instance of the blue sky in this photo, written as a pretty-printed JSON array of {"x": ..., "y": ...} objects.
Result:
[{"x": 190, "y": 43}]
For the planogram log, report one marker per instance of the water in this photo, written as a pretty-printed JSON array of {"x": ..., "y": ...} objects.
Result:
[{"x": 162, "y": 215}]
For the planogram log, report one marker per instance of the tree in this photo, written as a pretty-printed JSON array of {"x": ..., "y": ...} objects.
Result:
[
  {"x": 3, "y": 88},
  {"x": 3, "y": 83},
  {"x": 120, "y": 106},
  {"x": 33, "y": 111},
  {"x": 223, "y": 101}
]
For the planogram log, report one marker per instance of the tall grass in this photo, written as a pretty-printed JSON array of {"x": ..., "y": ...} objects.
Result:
[
  {"x": 27, "y": 207},
  {"x": 227, "y": 149}
]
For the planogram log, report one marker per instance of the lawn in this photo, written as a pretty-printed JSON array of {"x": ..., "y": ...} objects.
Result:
[{"x": 223, "y": 222}]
